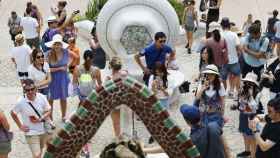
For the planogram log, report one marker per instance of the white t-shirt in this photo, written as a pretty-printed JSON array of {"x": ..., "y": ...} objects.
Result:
[
  {"x": 232, "y": 41},
  {"x": 38, "y": 75},
  {"x": 29, "y": 25},
  {"x": 21, "y": 54},
  {"x": 211, "y": 92},
  {"x": 277, "y": 27},
  {"x": 25, "y": 110}
]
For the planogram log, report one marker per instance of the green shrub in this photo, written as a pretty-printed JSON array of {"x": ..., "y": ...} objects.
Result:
[{"x": 95, "y": 6}]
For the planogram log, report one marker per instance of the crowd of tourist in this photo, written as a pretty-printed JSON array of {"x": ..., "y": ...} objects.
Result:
[{"x": 234, "y": 64}]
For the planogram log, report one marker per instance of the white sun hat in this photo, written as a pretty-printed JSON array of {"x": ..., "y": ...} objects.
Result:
[
  {"x": 211, "y": 69},
  {"x": 57, "y": 38},
  {"x": 214, "y": 26},
  {"x": 251, "y": 77}
]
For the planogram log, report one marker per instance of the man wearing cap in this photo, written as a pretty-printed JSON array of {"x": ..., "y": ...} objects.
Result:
[
  {"x": 208, "y": 139},
  {"x": 14, "y": 25},
  {"x": 53, "y": 30},
  {"x": 20, "y": 56},
  {"x": 234, "y": 49},
  {"x": 255, "y": 51},
  {"x": 31, "y": 29}
]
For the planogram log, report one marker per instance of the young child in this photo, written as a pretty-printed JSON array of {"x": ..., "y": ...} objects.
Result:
[
  {"x": 248, "y": 104},
  {"x": 158, "y": 84}
]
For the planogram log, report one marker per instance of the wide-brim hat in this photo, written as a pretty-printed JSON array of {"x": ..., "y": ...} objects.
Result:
[
  {"x": 211, "y": 69},
  {"x": 214, "y": 26},
  {"x": 251, "y": 77},
  {"x": 57, "y": 38}
]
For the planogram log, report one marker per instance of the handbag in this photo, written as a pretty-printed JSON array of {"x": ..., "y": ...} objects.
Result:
[
  {"x": 48, "y": 124},
  {"x": 5, "y": 136}
]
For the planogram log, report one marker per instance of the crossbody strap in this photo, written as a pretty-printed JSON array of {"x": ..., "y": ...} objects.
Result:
[{"x": 34, "y": 109}]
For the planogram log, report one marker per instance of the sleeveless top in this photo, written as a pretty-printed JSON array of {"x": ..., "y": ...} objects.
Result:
[
  {"x": 189, "y": 19},
  {"x": 86, "y": 82}
]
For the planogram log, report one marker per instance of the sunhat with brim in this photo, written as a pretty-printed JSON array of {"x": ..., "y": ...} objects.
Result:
[
  {"x": 214, "y": 26},
  {"x": 19, "y": 37},
  {"x": 251, "y": 77},
  {"x": 211, "y": 69},
  {"x": 190, "y": 113},
  {"x": 57, "y": 39},
  {"x": 52, "y": 19}
]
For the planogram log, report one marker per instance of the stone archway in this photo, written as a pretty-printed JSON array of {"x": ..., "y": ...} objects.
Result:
[{"x": 83, "y": 125}]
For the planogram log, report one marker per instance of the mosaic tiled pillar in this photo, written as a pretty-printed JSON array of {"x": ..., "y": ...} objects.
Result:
[{"x": 83, "y": 125}]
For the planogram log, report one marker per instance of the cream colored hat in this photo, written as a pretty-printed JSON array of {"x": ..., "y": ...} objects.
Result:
[
  {"x": 19, "y": 37},
  {"x": 211, "y": 69},
  {"x": 57, "y": 38},
  {"x": 251, "y": 77},
  {"x": 214, "y": 26}
]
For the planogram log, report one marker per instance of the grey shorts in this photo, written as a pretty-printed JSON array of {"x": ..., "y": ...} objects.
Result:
[{"x": 189, "y": 28}]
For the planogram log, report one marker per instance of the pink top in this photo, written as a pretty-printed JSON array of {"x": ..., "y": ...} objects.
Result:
[{"x": 220, "y": 51}]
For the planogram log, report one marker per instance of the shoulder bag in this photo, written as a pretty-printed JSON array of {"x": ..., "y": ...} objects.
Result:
[{"x": 48, "y": 125}]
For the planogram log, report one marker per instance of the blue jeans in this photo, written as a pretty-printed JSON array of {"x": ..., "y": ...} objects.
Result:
[{"x": 213, "y": 117}]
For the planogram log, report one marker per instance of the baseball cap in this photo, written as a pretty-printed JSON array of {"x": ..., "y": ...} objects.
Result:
[
  {"x": 190, "y": 113},
  {"x": 225, "y": 22},
  {"x": 52, "y": 19}
]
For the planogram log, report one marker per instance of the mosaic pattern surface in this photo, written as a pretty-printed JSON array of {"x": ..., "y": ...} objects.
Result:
[
  {"x": 135, "y": 38},
  {"x": 83, "y": 125}
]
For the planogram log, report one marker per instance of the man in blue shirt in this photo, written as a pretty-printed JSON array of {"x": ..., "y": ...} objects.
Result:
[
  {"x": 156, "y": 52},
  {"x": 255, "y": 51}
]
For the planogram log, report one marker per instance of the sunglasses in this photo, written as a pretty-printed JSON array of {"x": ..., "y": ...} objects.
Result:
[
  {"x": 162, "y": 41},
  {"x": 29, "y": 89},
  {"x": 40, "y": 57}
]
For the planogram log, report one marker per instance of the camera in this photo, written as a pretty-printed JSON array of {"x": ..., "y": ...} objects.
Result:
[{"x": 184, "y": 87}]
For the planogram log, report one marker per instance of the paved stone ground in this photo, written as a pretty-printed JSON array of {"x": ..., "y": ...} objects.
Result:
[{"x": 10, "y": 90}]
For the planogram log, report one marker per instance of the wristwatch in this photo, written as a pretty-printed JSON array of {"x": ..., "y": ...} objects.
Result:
[{"x": 256, "y": 131}]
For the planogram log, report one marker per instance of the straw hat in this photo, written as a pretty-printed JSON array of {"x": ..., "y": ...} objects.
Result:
[
  {"x": 214, "y": 26},
  {"x": 57, "y": 38},
  {"x": 211, "y": 69},
  {"x": 251, "y": 77},
  {"x": 19, "y": 37}
]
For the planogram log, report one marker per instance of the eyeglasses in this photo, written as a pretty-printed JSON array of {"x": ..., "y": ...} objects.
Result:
[
  {"x": 29, "y": 89},
  {"x": 40, "y": 56},
  {"x": 162, "y": 41}
]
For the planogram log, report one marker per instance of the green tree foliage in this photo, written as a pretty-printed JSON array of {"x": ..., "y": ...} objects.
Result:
[{"x": 95, "y": 6}]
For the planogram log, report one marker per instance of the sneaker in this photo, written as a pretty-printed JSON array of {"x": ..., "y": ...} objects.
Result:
[{"x": 244, "y": 154}]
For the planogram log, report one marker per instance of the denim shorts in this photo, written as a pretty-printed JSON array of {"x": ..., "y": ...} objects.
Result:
[
  {"x": 276, "y": 40},
  {"x": 230, "y": 69}
]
